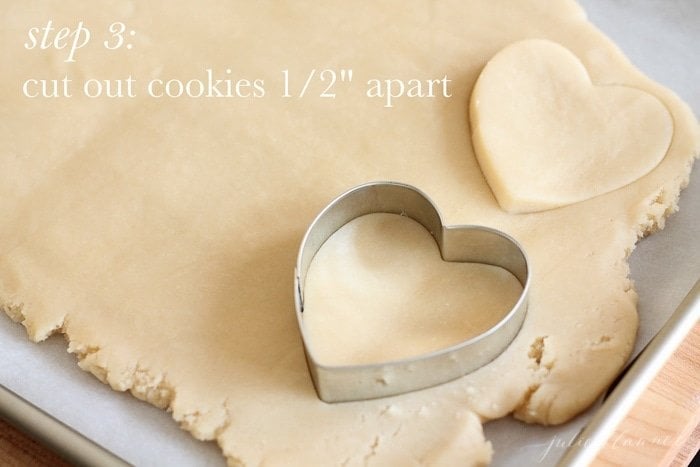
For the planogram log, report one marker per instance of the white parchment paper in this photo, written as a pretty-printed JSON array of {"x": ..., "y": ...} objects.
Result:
[{"x": 660, "y": 37}]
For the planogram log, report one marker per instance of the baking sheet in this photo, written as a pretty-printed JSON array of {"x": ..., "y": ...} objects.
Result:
[{"x": 660, "y": 37}]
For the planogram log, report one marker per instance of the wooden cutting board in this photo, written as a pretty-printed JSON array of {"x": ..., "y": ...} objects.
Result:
[
  {"x": 17, "y": 449},
  {"x": 663, "y": 427}
]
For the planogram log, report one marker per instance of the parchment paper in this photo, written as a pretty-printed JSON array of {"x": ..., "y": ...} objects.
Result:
[{"x": 659, "y": 37}]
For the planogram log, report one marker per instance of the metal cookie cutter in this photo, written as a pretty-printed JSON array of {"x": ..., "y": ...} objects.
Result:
[{"x": 460, "y": 243}]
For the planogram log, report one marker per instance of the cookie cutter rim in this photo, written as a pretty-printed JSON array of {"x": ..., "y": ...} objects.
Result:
[{"x": 456, "y": 243}]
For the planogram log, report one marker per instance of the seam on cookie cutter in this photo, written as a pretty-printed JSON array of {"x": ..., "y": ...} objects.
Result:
[{"x": 457, "y": 243}]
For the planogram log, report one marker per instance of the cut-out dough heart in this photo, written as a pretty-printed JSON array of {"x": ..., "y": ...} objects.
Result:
[{"x": 545, "y": 136}]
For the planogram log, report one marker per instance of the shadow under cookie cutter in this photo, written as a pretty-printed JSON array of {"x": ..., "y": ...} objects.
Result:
[{"x": 457, "y": 243}]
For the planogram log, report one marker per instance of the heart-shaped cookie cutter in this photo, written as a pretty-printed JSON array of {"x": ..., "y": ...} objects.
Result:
[{"x": 459, "y": 243}]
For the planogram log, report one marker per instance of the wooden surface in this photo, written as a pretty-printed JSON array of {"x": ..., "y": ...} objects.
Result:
[
  {"x": 663, "y": 427},
  {"x": 19, "y": 450}
]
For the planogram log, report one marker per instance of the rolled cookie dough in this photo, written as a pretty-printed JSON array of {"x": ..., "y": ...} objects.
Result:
[
  {"x": 378, "y": 290},
  {"x": 159, "y": 235}
]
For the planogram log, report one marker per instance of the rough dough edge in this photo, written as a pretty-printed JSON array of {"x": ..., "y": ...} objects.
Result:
[
  {"x": 156, "y": 390},
  {"x": 139, "y": 381},
  {"x": 659, "y": 206}
]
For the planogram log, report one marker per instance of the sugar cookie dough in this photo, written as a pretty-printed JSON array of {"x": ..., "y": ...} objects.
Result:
[
  {"x": 545, "y": 136},
  {"x": 160, "y": 236},
  {"x": 378, "y": 290}
]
